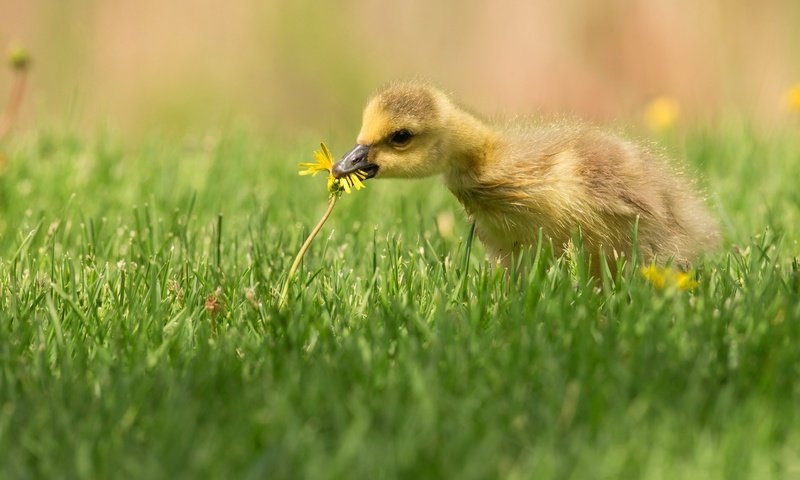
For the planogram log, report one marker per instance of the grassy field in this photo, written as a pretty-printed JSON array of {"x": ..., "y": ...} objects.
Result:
[{"x": 139, "y": 334}]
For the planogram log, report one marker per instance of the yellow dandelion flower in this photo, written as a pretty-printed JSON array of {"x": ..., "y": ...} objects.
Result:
[
  {"x": 662, "y": 113},
  {"x": 324, "y": 163},
  {"x": 792, "y": 98},
  {"x": 669, "y": 278}
]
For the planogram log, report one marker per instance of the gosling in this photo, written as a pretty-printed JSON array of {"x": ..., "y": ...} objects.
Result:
[{"x": 515, "y": 180}]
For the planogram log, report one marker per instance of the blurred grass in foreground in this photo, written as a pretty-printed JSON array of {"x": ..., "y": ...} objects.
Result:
[{"x": 139, "y": 335}]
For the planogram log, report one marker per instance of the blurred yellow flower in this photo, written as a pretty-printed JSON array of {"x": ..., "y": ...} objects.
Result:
[
  {"x": 445, "y": 223},
  {"x": 668, "y": 277},
  {"x": 662, "y": 113},
  {"x": 18, "y": 58},
  {"x": 793, "y": 98},
  {"x": 324, "y": 163}
]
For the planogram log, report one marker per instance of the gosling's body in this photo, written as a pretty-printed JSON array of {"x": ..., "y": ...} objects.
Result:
[
  {"x": 514, "y": 180},
  {"x": 559, "y": 178}
]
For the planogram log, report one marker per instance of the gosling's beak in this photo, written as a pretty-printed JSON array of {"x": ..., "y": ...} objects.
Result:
[{"x": 355, "y": 159}]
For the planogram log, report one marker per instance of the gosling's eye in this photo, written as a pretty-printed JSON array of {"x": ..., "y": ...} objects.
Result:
[{"x": 401, "y": 138}]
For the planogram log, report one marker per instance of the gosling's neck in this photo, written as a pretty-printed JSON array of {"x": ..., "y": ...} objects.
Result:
[{"x": 470, "y": 147}]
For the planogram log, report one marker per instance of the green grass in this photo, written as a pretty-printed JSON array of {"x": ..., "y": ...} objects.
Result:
[{"x": 391, "y": 360}]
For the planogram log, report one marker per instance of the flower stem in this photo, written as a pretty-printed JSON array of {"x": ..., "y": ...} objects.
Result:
[
  {"x": 304, "y": 249},
  {"x": 11, "y": 112}
]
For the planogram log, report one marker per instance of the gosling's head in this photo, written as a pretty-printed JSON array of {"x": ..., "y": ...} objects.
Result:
[{"x": 404, "y": 133}]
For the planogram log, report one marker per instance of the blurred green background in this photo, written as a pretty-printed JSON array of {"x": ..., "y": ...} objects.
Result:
[{"x": 181, "y": 65}]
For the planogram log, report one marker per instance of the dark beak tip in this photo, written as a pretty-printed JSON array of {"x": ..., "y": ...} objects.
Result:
[
  {"x": 351, "y": 162},
  {"x": 337, "y": 170}
]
